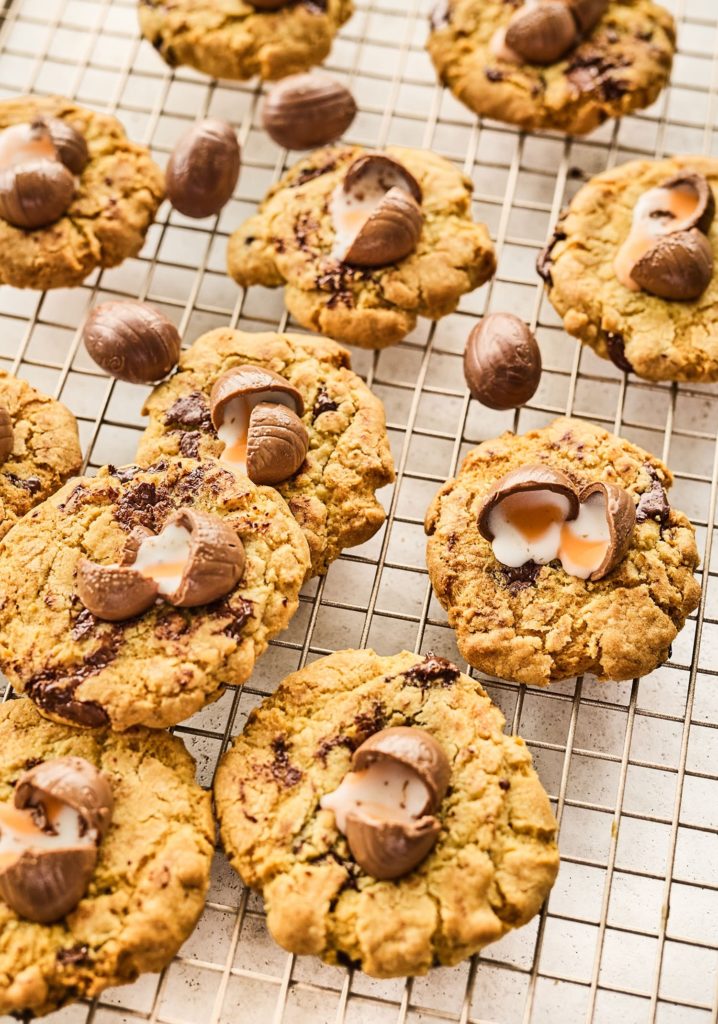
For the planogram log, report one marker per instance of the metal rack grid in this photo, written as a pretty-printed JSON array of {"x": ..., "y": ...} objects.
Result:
[{"x": 630, "y": 932}]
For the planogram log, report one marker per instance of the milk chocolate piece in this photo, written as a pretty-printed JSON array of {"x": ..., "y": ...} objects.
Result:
[
  {"x": 216, "y": 559},
  {"x": 73, "y": 781},
  {"x": 587, "y": 13},
  {"x": 678, "y": 266},
  {"x": 114, "y": 592},
  {"x": 7, "y": 435},
  {"x": 621, "y": 516},
  {"x": 69, "y": 144},
  {"x": 45, "y": 885},
  {"x": 131, "y": 341},
  {"x": 502, "y": 362},
  {"x": 36, "y": 193},
  {"x": 389, "y": 234},
  {"x": 416, "y": 749},
  {"x": 307, "y": 110},
  {"x": 542, "y": 33},
  {"x": 277, "y": 444},
  {"x": 389, "y": 849},
  {"x": 527, "y": 478},
  {"x": 249, "y": 380},
  {"x": 391, "y": 174},
  {"x": 703, "y": 214},
  {"x": 25, "y": 143},
  {"x": 203, "y": 169}
]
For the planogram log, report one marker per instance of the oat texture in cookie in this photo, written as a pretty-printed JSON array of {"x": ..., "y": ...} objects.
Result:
[
  {"x": 620, "y": 65},
  {"x": 495, "y": 858},
  {"x": 332, "y": 496},
  {"x": 149, "y": 883},
  {"x": 39, "y": 448},
  {"x": 537, "y": 623},
  {"x": 239, "y": 39},
  {"x": 292, "y": 239},
  {"x": 116, "y": 197},
  {"x": 158, "y": 667},
  {"x": 659, "y": 339}
]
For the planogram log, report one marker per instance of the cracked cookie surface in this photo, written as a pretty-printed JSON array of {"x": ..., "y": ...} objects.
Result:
[
  {"x": 536, "y": 624},
  {"x": 152, "y": 875},
  {"x": 656, "y": 338},
  {"x": 621, "y": 66},
  {"x": 117, "y": 197},
  {"x": 496, "y": 856},
  {"x": 160, "y": 667},
  {"x": 332, "y": 495},
  {"x": 233, "y": 39},
  {"x": 289, "y": 243},
  {"x": 46, "y": 449}
]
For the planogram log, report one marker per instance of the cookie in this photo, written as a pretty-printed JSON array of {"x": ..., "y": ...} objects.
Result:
[
  {"x": 332, "y": 496},
  {"x": 45, "y": 448},
  {"x": 240, "y": 40},
  {"x": 494, "y": 858},
  {"x": 538, "y": 623},
  {"x": 657, "y": 338},
  {"x": 150, "y": 880},
  {"x": 159, "y": 667},
  {"x": 290, "y": 242},
  {"x": 620, "y": 65},
  {"x": 117, "y": 195}
]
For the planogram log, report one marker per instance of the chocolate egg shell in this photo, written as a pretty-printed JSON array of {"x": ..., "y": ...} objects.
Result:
[
  {"x": 7, "y": 435},
  {"x": 248, "y": 380},
  {"x": 678, "y": 266},
  {"x": 389, "y": 849},
  {"x": 26, "y": 142},
  {"x": 277, "y": 444},
  {"x": 704, "y": 213},
  {"x": 131, "y": 341},
  {"x": 45, "y": 885},
  {"x": 390, "y": 172},
  {"x": 621, "y": 516},
  {"x": 73, "y": 781},
  {"x": 542, "y": 33},
  {"x": 203, "y": 169},
  {"x": 69, "y": 143},
  {"x": 416, "y": 749},
  {"x": 216, "y": 559},
  {"x": 527, "y": 478},
  {"x": 308, "y": 110},
  {"x": 587, "y": 12},
  {"x": 114, "y": 592},
  {"x": 35, "y": 194},
  {"x": 502, "y": 362},
  {"x": 389, "y": 234}
]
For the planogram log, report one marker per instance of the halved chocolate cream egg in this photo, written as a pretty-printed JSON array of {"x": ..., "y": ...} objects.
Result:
[
  {"x": 49, "y": 837},
  {"x": 666, "y": 252},
  {"x": 195, "y": 559},
  {"x": 376, "y": 212},
  {"x": 257, "y": 415},
  {"x": 598, "y": 538},
  {"x": 386, "y": 806}
]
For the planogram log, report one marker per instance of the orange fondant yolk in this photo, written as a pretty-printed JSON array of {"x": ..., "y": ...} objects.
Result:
[
  {"x": 533, "y": 522},
  {"x": 17, "y": 821},
  {"x": 586, "y": 553},
  {"x": 166, "y": 570}
]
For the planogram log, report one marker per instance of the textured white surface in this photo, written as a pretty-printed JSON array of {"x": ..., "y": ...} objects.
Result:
[{"x": 630, "y": 933}]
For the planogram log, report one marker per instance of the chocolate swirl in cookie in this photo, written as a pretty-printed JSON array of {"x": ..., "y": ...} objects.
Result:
[
  {"x": 667, "y": 253},
  {"x": 536, "y": 514},
  {"x": 49, "y": 837},
  {"x": 387, "y": 805},
  {"x": 544, "y": 31}
]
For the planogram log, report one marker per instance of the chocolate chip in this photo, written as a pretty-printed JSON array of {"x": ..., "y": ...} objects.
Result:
[
  {"x": 31, "y": 484},
  {"x": 504, "y": 784},
  {"x": 494, "y": 75},
  {"x": 238, "y": 610},
  {"x": 617, "y": 352},
  {"x": 84, "y": 625},
  {"x": 322, "y": 404},
  {"x": 309, "y": 173},
  {"x": 544, "y": 261},
  {"x": 73, "y": 955},
  {"x": 283, "y": 771},
  {"x": 433, "y": 669},
  {"x": 653, "y": 503},
  {"x": 189, "y": 445},
  {"x": 516, "y": 580},
  {"x": 191, "y": 411}
]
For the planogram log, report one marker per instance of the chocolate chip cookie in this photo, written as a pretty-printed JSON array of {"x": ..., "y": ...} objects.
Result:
[
  {"x": 348, "y": 457},
  {"x": 158, "y": 666},
  {"x": 39, "y": 448},
  {"x": 421, "y": 223},
  {"x": 150, "y": 879},
  {"x": 618, "y": 64},
  {"x": 657, "y": 337},
  {"x": 536, "y": 623},
  {"x": 113, "y": 192},
  {"x": 240, "y": 39},
  {"x": 493, "y": 855}
]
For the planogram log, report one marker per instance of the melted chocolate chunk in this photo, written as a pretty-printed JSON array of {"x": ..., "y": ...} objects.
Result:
[
  {"x": 544, "y": 261},
  {"x": 144, "y": 504},
  {"x": 617, "y": 352},
  {"x": 84, "y": 624},
  {"x": 327, "y": 745},
  {"x": 494, "y": 75},
  {"x": 504, "y": 784},
  {"x": 432, "y": 669},
  {"x": 125, "y": 473},
  {"x": 239, "y": 612},
  {"x": 313, "y": 172},
  {"x": 653, "y": 503},
  {"x": 73, "y": 955},
  {"x": 189, "y": 444},
  {"x": 323, "y": 404},
  {"x": 191, "y": 412},
  {"x": 31, "y": 484},
  {"x": 515, "y": 580},
  {"x": 54, "y": 689},
  {"x": 369, "y": 722},
  {"x": 282, "y": 769},
  {"x": 590, "y": 69}
]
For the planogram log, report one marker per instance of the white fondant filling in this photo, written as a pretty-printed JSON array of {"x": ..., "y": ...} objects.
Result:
[
  {"x": 351, "y": 210},
  {"x": 18, "y": 831},
  {"x": 235, "y": 424},
  {"x": 386, "y": 786},
  {"x": 163, "y": 558},
  {"x": 511, "y": 545},
  {"x": 586, "y": 538}
]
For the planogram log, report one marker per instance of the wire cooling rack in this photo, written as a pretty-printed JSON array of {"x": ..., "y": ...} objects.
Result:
[{"x": 630, "y": 932}]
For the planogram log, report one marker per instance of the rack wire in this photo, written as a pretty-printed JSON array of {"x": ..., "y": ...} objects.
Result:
[{"x": 630, "y": 931}]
